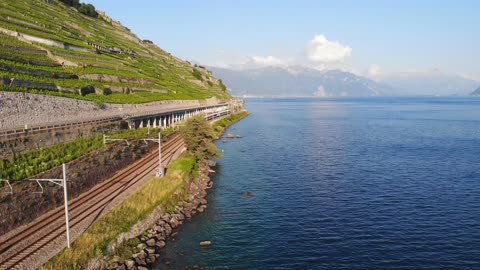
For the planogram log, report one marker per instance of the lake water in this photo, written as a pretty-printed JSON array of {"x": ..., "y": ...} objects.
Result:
[{"x": 370, "y": 183}]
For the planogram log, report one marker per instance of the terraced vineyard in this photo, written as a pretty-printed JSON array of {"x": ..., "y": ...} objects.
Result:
[
  {"x": 26, "y": 164},
  {"x": 50, "y": 48}
]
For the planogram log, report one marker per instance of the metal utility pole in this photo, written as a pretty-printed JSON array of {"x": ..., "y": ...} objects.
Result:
[
  {"x": 160, "y": 153},
  {"x": 65, "y": 196},
  {"x": 62, "y": 183},
  {"x": 159, "y": 170}
]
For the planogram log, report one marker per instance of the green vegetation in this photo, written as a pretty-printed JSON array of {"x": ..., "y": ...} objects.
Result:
[
  {"x": 88, "y": 9},
  {"x": 94, "y": 242},
  {"x": 197, "y": 74},
  {"x": 163, "y": 192},
  {"x": 21, "y": 166},
  {"x": 72, "y": 3},
  {"x": 198, "y": 135},
  {"x": 221, "y": 124},
  {"x": 222, "y": 86},
  {"x": 102, "y": 46},
  {"x": 27, "y": 164}
]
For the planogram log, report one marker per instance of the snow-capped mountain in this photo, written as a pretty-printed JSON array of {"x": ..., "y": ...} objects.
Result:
[{"x": 298, "y": 81}]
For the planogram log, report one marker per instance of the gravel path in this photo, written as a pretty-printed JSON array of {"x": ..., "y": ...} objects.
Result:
[{"x": 19, "y": 109}]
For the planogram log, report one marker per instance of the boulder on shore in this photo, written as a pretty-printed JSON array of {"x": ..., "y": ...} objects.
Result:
[{"x": 230, "y": 136}]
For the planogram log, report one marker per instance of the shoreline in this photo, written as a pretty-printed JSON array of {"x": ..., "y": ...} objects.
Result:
[
  {"x": 158, "y": 228},
  {"x": 157, "y": 236}
]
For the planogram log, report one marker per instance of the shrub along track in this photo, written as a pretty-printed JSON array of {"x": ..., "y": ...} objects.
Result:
[{"x": 22, "y": 247}]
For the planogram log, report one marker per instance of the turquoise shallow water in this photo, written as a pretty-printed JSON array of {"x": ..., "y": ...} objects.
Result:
[{"x": 371, "y": 183}]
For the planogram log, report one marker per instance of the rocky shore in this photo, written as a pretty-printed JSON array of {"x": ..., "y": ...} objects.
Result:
[
  {"x": 155, "y": 230},
  {"x": 156, "y": 236}
]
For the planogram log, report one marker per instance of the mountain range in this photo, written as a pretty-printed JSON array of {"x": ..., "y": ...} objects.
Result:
[
  {"x": 476, "y": 92},
  {"x": 297, "y": 81},
  {"x": 433, "y": 82}
]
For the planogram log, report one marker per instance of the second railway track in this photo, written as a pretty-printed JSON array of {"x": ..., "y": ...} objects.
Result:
[{"x": 18, "y": 246}]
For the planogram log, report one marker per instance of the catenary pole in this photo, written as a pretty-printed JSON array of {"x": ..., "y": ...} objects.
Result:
[
  {"x": 65, "y": 196},
  {"x": 160, "y": 152}
]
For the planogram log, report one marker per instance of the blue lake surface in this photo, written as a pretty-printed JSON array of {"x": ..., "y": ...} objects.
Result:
[{"x": 351, "y": 183}]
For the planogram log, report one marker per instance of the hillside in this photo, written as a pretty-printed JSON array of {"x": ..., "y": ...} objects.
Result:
[
  {"x": 50, "y": 48},
  {"x": 298, "y": 81}
]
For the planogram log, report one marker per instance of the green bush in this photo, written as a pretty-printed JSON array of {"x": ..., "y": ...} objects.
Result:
[
  {"x": 222, "y": 86},
  {"x": 88, "y": 9},
  {"x": 198, "y": 135},
  {"x": 72, "y": 3},
  {"x": 197, "y": 74},
  {"x": 107, "y": 91},
  {"x": 89, "y": 89}
]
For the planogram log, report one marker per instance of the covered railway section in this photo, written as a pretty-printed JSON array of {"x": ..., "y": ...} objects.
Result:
[
  {"x": 162, "y": 118},
  {"x": 217, "y": 114},
  {"x": 166, "y": 119}
]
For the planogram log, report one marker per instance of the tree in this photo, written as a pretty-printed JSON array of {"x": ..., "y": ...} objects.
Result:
[
  {"x": 197, "y": 74},
  {"x": 88, "y": 9},
  {"x": 224, "y": 88},
  {"x": 72, "y": 3},
  {"x": 198, "y": 135}
]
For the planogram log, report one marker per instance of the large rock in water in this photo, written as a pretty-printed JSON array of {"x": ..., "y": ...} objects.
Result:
[
  {"x": 205, "y": 243},
  {"x": 246, "y": 194}
]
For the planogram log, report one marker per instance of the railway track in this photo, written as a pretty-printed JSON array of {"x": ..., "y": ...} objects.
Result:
[{"x": 33, "y": 239}]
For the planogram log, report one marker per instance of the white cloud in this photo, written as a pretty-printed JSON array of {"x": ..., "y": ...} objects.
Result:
[
  {"x": 374, "y": 71},
  {"x": 219, "y": 64},
  {"x": 266, "y": 61},
  {"x": 318, "y": 53},
  {"x": 320, "y": 49}
]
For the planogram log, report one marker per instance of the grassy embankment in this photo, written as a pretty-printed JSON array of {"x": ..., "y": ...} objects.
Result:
[
  {"x": 121, "y": 218},
  {"x": 220, "y": 125},
  {"x": 141, "y": 203}
]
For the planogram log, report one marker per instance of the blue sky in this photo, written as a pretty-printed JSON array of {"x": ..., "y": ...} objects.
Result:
[{"x": 367, "y": 37}]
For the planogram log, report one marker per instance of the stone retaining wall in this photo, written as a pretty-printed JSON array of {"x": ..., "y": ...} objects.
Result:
[{"x": 20, "y": 109}]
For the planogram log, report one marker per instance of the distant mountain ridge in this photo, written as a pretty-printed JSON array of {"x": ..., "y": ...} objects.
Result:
[
  {"x": 298, "y": 81},
  {"x": 476, "y": 92},
  {"x": 432, "y": 82},
  {"x": 272, "y": 81}
]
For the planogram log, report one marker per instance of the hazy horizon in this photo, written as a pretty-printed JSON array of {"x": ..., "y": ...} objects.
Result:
[{"x": 368, "y": 38}]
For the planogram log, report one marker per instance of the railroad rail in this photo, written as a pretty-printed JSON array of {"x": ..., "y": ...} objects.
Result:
[
  {"x": 45, "y": 236},
  {"x": 17, "y": 247}
]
